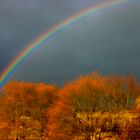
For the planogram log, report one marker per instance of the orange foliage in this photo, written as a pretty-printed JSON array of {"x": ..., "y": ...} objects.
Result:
[
  {"x": 56, "y": 113},
  {"x": 88, "y": 94},
  {"x": 24, "y": 103}
]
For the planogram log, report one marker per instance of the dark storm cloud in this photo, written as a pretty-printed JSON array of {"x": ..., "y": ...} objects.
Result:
[
  {"x": 108, "y": 43},
  {"x": 23, "y": 20}
]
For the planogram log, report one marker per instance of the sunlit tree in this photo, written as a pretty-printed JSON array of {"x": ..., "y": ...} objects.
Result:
[
  {"x": 74, "y": 115},
  {"x": 25, "y": 107}
]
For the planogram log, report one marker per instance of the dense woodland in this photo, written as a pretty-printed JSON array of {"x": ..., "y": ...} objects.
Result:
[{"x": 91, "y": 107}]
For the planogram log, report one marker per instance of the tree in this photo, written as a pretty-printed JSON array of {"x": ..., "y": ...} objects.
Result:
[
  {"x": 25, "y": 107},
  {"x": 75, "y": 114}
]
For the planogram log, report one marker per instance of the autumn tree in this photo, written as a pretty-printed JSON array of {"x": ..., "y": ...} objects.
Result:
[
  {"x": 85, "y": 108},
  {"x": 46, "y": 96},
  {"x": 74, "y": 115},
  {"x": 26, "y": 105}
]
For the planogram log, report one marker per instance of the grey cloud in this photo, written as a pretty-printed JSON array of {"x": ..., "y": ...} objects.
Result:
[
  {"x": 108, "y": 43},
  {"x": 21, "y": 21}
]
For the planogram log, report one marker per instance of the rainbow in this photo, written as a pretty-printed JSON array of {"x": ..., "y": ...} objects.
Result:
[{"x": 42, "y": 39}]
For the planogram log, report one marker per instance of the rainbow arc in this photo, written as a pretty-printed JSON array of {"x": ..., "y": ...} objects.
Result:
[{"x": 37, "y": 43}]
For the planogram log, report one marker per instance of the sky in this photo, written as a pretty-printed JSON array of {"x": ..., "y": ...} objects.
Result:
[{"x": 108, "y": 42}]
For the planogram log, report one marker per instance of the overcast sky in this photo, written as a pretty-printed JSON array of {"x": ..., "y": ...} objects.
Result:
[{"x": 108, "y": 42}]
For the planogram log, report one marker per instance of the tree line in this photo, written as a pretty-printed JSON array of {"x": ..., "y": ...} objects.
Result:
[{"x": 91, "y": 107}]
